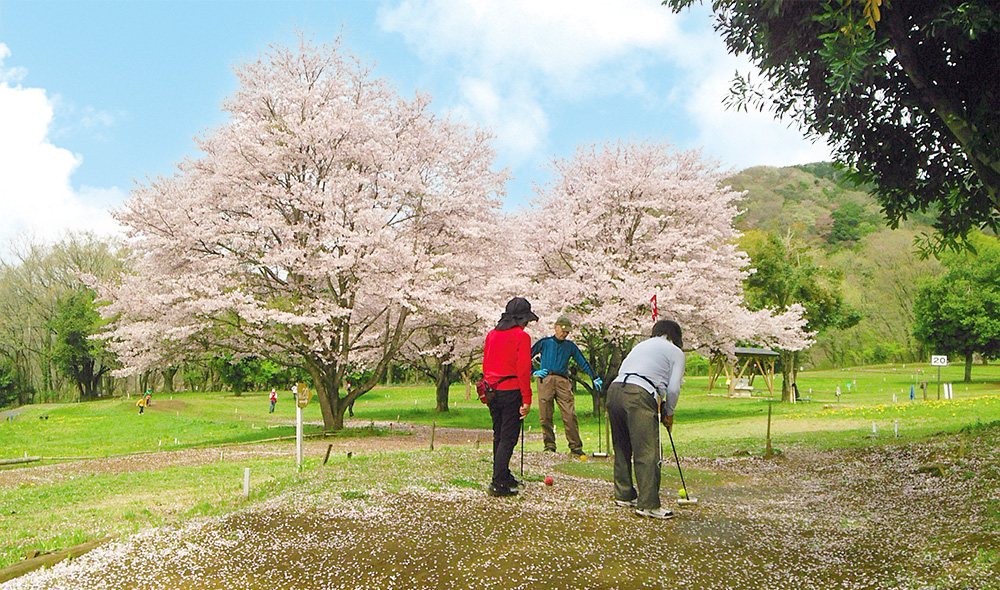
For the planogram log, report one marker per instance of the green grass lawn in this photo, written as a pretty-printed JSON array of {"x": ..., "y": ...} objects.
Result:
[
  {"x": 50, "y": 514},
  {"x": 707, "y": 424}
]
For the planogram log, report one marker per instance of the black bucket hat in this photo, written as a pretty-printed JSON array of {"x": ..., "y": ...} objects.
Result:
[{"x": 517, "y": 312}]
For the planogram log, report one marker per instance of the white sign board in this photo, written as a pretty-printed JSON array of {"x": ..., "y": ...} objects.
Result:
[{"x": 939, "y": 360}]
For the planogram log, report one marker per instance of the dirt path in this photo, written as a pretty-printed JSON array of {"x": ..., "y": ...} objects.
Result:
[
  {"x": 866, "y": 519},
  {"x": 406, "y": 437}
]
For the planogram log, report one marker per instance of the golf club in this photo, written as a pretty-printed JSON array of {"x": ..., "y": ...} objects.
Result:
[
  {"x": 600, "y": 454},
  {"x": 522, "y": 448},
  {"x": 681, "y": 501}
]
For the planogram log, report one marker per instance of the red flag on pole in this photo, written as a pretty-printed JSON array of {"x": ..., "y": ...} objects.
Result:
[{"x": 653, "y": 301}]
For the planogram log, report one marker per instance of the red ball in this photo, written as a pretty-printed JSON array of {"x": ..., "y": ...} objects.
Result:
[{"x": 549, "y": 481}]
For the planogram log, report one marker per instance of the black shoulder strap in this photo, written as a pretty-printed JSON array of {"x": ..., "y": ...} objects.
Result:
[{"x": 644, "y": 378}]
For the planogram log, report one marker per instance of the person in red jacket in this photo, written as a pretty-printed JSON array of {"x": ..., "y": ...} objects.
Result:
[{"x": 507, "y": 368}]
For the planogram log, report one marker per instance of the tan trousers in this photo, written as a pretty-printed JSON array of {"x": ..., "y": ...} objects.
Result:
[{"x": 558, "y": 389}]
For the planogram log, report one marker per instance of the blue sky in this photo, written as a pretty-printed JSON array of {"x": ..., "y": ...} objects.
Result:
[{"x": 95, "y": 95}]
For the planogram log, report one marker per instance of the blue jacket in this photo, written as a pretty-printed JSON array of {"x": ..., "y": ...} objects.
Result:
[{"x": 555, "y": 355}]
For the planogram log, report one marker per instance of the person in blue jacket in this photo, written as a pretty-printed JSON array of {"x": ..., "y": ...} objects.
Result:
[{"x": 554, "y": 385}]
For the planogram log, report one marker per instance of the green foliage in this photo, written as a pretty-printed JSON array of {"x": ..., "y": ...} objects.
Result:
[
  {"x": 960, "y": 312},
  {"x": 786, "y": 274},
  {"x": 850, "y": 223},
  {"x": 909, "y": 102},
  {"x": 74, "y": 352},
  {"x": 46, "y": 314},
  {"x": 814, "y": 202}
]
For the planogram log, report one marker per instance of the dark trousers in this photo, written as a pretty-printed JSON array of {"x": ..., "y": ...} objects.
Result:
[
  {"x": 505, "y": 409},
  {"x": 633, "y": 416}
]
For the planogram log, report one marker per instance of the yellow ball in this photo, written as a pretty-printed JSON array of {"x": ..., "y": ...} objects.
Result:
[
  {"x": 583, "y": 457},
  {"x": 682, "y": 493}
]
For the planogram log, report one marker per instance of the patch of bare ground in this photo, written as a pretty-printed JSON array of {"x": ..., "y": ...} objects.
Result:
[{"x": 859, "y": 519}]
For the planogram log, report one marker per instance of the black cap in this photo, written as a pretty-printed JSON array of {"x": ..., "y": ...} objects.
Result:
[{"x": 517, "y": 313}]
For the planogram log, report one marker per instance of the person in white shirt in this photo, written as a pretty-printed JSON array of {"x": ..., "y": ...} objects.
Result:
[{"x": 644, "y": 394}]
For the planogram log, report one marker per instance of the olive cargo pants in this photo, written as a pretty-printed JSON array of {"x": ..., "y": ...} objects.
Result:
[
  {"x": 556, "y": 389},
  {"x": 634, "y": 419}
]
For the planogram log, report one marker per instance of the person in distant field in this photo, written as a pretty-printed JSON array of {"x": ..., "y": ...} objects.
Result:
[
  {"x": 274, "y": 400},
  {"x": 507, "y": 368},
  {"x": 555, "y": 387},
  {"x": 149, "y": 397},
  {"x": 141, "y": 403},
  {"x": 643, "y": 395}
]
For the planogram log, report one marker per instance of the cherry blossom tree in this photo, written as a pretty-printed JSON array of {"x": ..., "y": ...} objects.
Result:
[
  {"x": 447, "y": 338},
  {"x": 324, "y": 214},
  {"x": 625, "y": 221}
]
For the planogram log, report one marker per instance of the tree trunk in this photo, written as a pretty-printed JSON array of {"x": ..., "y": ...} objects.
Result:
[
  {"x": 168, "y": 379},
  {"x": 327, "y": 390},
  {"x": 786, "y": 375},
  {"x": 968, "y": 367},
  {"x": 443, "y": 381}
]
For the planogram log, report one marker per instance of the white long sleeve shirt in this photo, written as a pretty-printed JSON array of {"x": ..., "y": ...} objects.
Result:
[{"x": 662, "y": 363}]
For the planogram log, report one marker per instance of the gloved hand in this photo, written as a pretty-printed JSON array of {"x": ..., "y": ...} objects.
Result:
[
  {"x": 541, "y": 373},
  {"x": 666, "y": 420},
  {"x": 598, "y": 384}
]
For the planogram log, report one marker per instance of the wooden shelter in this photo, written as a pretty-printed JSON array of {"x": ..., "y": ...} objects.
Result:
[{"x": 740, "y": 373}]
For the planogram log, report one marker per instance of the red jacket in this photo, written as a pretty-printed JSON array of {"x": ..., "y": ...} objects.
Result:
[{"x": 506, "y": 353}]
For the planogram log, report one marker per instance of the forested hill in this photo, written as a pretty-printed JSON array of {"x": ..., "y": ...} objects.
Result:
[
  {"x": 839, "y": 226},
  {"x": 816, "y": 202},
  {"x": 814, "y": 208}
]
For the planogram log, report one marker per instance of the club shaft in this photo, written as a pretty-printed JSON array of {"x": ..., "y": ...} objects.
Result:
[
  {"x": 522, "y": 448},
  {"x": 677, "y": 459}
]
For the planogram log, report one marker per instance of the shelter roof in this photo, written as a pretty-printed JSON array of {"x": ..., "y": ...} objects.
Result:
[{"x": 744, "y": 351}]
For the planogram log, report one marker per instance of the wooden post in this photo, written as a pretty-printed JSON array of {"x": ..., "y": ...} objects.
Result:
[
  {"x": 767, "y": 447},
  {"x": 327, "y": 457},
  {"x": 433, "y": 426}
]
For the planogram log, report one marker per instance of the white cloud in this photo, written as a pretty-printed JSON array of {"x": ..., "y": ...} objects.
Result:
[
  {"x": 560, "y": 39},
  {"x": 516, "y": 120},
  {"x": 742, "y": 138},
  {"x": 521, "y": 57},
  {"x": 518, "y": 54},
  {"x": 36, "y": 196}
]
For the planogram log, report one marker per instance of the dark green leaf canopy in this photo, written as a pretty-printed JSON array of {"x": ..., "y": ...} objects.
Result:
[{"x": 911, "y": 104}]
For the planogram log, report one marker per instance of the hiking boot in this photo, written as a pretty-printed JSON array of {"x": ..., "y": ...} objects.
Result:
[
  {"x": 500, "y": 491},
  {"x": 515, "y": 483},
  {"x": 625, "y": 503},
  {"x": 549, "y": 449},
  {"x": 578, "y": 453},
  {"x": 659, "y": 513}
]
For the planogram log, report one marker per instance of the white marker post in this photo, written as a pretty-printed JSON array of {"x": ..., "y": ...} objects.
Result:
[
  {"x": 246, "y": 483},
  {"x": 302, "y": 396}
]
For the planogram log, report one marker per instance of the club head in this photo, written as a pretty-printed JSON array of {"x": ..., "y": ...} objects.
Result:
[
  {"x": 599, "y": 455},
  {"x": 687, "y": 501}
]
